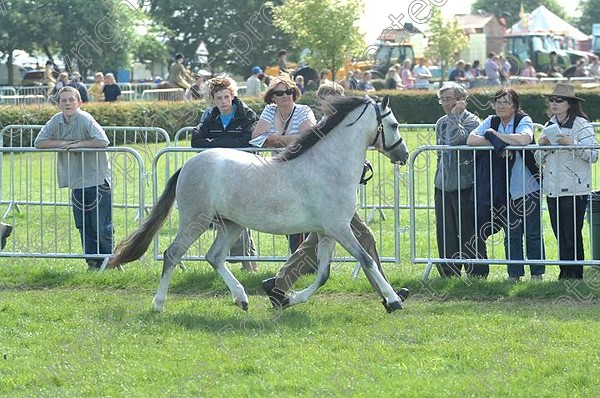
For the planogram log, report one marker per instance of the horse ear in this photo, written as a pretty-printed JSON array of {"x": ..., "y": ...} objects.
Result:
[{"x": 385, "y": 102}]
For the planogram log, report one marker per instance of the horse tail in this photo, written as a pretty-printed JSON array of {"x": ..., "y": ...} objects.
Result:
[{"x": 134, "y": 246}]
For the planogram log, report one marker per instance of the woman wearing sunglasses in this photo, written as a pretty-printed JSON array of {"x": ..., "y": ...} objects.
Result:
[
  {"x": 281, "y": 122},
  {"x": 567, "y": 173},
  {"x": 282, "y": 119}
]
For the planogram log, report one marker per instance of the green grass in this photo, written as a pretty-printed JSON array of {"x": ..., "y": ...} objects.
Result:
[{"x": 69, "y": 333}]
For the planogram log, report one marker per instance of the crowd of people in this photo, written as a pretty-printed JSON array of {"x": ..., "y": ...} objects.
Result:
[{"x": 477, "y": 193}]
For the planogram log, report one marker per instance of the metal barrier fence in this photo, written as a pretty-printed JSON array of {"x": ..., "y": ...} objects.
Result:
[
  {"x": 44, "y": 225},
  {"x": 146, "y": 140},
  {"x": 163, "y": 94},
  {"x": 423, "y": 217},
  {"x": 271, "y": 247}
]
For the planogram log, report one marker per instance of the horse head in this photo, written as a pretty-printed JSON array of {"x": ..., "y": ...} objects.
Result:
[{"x": 388, "y": 139}]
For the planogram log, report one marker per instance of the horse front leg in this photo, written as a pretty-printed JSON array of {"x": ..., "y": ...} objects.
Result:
[
  {"x": 227, "y": 233},
  {"x": 324, "y": 251},
  {"x": 347, "y": 239}
]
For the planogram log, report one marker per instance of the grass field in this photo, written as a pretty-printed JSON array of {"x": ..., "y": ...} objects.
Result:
[{"x": 68, "y": 333}]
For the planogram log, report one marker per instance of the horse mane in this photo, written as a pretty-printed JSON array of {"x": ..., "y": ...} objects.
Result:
[{"x": 335, "y": 111}]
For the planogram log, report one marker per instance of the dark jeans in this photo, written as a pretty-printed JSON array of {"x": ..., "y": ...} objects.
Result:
[
  {"x": 566, "y": 215},
  {"x": 524, "y": 220},
  {"x": 455, "y": 231},
  {"x": 489, "y": 221},
  {"x": 92, "y": 209}
]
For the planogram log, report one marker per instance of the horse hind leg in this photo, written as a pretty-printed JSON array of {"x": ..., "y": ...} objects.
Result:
[
  {"x": 347, "y": 239},
  {"x": 324, "y": 251},
  {"x": 186, "y": 236},
  {"x": 227, "y": 233}
]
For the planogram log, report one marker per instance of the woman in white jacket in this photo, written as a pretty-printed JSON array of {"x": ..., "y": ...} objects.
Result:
[{"x": 567, "y": 174}]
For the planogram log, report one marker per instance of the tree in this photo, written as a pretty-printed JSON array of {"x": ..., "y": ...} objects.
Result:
[
  {"x": 510, "y": 9},
  {"x": 93, "y": 35},
  {"x": 20, "y": 30},
  {"x": 238, "y": 34},
  {"x": 327, "y": 27},
  {"x": 590, "y": 14},
  {"x": 445, "y": 40}
]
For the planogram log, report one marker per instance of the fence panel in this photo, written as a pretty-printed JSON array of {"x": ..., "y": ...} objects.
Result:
[
  {"x": 273, "y": 247},
  {"x": 424, "y": 249},
  {"x": 41, "y": 213}
]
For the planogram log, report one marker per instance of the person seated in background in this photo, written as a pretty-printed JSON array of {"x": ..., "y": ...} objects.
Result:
[
  {"x": 197, "y": 89},
  {"x": 390, "y": 82},
  {"x": 111, "y": 90},
  {"x": 366, "y": 84},
  {"x": 229, "y": 125},
  {"x": 76, "y": 83},
  {"x": 458, "y": 73},
  {"x": 178, "y": 74},
  {"x": 253, "y": 83},
  {"x": 300, "y": 83},
  {"x": 552, "y": 69},
  {"x": 528, "y": 70},
  {"x": 96, "y": 90},
  {"x": 581, "y": 69}
]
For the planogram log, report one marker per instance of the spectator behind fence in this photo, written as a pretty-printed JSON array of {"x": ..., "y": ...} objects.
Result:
[
  {"x": 366, "y": 84},
  {"x": 454, "y": 210},
  {"x": 567, "y": 175},
  {"x": 229, "y": 125},
  {"x": 87, "y": 174},
  {"x": 197, "y": 90},
  {"x": 304, "y": 260},
  {"x": 111, "y": 90},
  {"x": 281, "y": 123},
  {"x": 96, "y": 90},
  {"x": 492, "y": 69},
  {"x": 178, "y": 74},
  {"x": 253, "y": 84},
  {"x": 48, "y": 79},
  {"x": 511, "y": 200},
  {"x": 422, "y": 75},
  {"x": 76, "y": 83}
]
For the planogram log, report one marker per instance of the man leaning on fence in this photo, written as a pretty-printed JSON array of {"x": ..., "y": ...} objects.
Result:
[
  {"x": 87, "y": 174},
  {"x": 454, "y": 210}
]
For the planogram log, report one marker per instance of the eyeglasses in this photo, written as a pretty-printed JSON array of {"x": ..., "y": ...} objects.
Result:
[
  {"x": 444, "y": 100},
  {"x": 280, "y": 93},
  {"x": 558, "y": 100},
  {"x": 504, "y": 103}
]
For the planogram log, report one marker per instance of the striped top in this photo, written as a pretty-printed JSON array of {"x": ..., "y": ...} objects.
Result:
[{"x": 301, "y": 114}]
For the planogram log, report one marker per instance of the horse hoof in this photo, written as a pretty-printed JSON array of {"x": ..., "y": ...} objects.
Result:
[
  {"x": 396, "y": 305},
  {"x": 158, "y": 307},
  {"x": 242, "y": 304},
  {"x": 285, "y": 303},
  {"x": 403, "y": 293}
]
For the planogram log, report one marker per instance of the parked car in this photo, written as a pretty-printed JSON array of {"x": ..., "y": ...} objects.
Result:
[{"x": 34, "y": 77}]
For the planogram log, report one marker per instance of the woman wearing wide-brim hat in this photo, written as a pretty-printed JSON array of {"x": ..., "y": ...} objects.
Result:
[{"x": 567, "y": 173}]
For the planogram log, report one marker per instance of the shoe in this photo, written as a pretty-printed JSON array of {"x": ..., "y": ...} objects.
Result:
[
  {"x": 6, "y": 231},
  {"x": 276, "y": 295},
  {"x": 537, "y": 278},
  {"x": 513, "y": 279},
  {"x": 249, "y": 266},
  {"x": 93, "y": 265}
]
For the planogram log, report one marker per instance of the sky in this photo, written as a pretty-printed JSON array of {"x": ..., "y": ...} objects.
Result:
[{"x": 375, "y": 17}]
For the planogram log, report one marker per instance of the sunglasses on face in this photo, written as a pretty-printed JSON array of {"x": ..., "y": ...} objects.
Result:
[
  {"x": 558, "y": 100},
  {"x": 279, "y": 93}
]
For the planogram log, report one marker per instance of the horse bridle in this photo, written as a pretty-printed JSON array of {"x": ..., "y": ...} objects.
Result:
[{"x": 380, "y": 118}]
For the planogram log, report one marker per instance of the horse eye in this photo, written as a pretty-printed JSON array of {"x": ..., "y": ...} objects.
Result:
[{"x": 395, "y": 126}]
